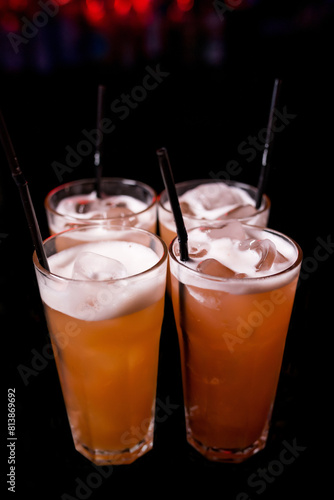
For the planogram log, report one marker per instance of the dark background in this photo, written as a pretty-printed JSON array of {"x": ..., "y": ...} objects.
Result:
[{"x": 221, "y": 67}]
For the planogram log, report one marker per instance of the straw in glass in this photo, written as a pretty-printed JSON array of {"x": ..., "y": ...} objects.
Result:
[
  {"x": 265, "y": 168},
  {"x": 168, "y": 179},
  {"x": 22, "y": 184},
  {"x": 98, "y": 156},
  {"x": 182, "y": 235}
]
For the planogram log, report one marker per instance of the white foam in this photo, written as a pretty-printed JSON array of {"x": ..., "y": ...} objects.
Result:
[
  {"x": 213, "y": 202},
  {"x": 100, "y": 210},
  {"x": 227, "y": 251},
  {"x": 210, "y": 201},
  {"x": 135, "y": 257},
  {"x": 67, "y": 206},
  {"x": 98, "y": 300}
]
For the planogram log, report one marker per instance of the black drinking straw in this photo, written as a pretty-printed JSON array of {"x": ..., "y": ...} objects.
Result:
[
  {"x": 98, "y": 157},
  {"x": 263, "y": 179},
  {"x": 22, "y": 184},
  {"x": 168, "y": 179}
]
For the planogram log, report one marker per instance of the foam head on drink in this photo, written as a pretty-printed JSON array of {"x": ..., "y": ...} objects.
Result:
[
  {"x": 105, "y": 320},
  {"x": 122, "y": 201},
  {"x": 217, "y": 201},
  {"x": 214, "y": 201},
  {"x": 93, "y": 262},
  {"x": 87, "y": 207},
  {"x": 235, "y": 302}
]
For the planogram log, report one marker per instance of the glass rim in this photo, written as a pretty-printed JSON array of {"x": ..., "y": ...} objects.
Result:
[
  {"x": 129, "y": 182},
  {"x": 250, "y": 279},
  {"x": 57, "y": 277},
  {"x": 242, "y": 185}
]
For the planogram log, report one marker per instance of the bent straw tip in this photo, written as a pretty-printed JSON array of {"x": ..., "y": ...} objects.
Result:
[
  {"x": 161, "y": 151},
  {"x": 101, "y": 89}
]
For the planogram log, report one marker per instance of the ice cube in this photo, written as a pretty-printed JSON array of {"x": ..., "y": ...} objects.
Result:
[
  {"x": 266, "y": 250},
  {"x": 83, "y": 207},
  {"x": 123, "y": 215},
  {"x": 186, "y": 208},
  {"x": 280, "y": 258},
  {"x": 92, "y": 266},
  {"x": 215, "y": 195},
  {"x": 239, "y": 212},
  {"x": 198, "y": 250},
  {"x": 109, "y": 203},
  {"x": 232, "y": 230},
  {"x": 215, "y": 268}
]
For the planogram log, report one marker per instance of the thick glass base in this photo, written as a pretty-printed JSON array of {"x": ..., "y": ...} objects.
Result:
[
  {"x": 233, "y": 456},
  {"x": 126, "y": 455},
  {"x": 106, "y": 457}
]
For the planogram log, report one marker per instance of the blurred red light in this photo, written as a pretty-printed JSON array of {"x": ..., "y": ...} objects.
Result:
[
  {"x": 10, "y": 22},
  {"x": 234, "y": 4},
  {"x": 122, "y": 7},
  {"x": 141, "y": 5},
  {"x": 185, "y": 5},
  {"x": 95, "y": 10},
  {"x": 18, "y": 4}
]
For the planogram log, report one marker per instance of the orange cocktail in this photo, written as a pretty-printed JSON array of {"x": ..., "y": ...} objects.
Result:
[
  {"x": 211, "y": 201},
  {"x": 104, "y": 302},
  {"x": 123, "y": 202},
  {"x": 232, "y": 304}
]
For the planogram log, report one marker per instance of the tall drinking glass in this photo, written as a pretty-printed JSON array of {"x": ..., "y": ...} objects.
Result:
[
  {"x": 104, "y": 302},
  {"x": 232, "y": 303},
  {"x": 123, "y": 202}
]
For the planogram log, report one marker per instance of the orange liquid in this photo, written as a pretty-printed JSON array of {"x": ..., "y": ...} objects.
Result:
[
  {"x": 231, "y": 352},
  {"x": 108, "y": 374},
  {"x": 166, "y": 234}
]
